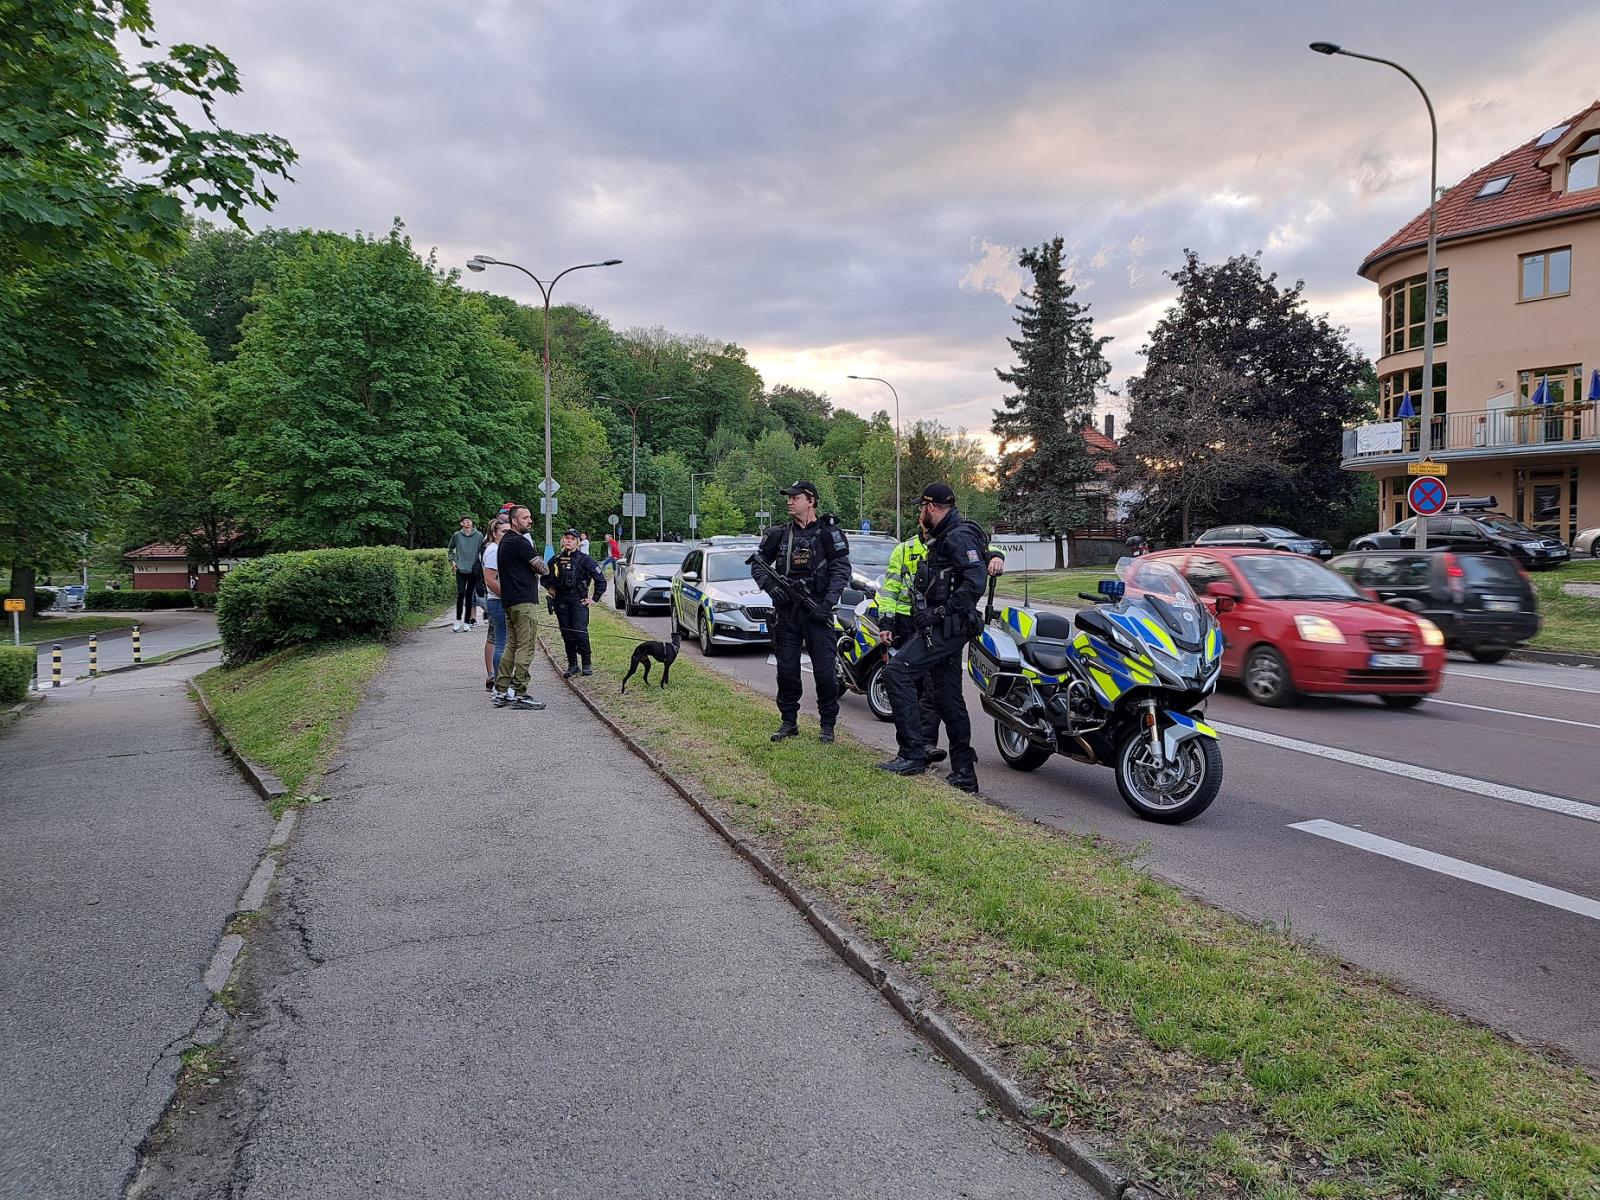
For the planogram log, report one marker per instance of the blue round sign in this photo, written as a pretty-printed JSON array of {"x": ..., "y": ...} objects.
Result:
[{"x": 1427, "y": 495}]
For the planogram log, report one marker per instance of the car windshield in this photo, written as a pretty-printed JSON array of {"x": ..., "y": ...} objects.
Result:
[
  {"x": 874, "y": 553},
  {"x": 726, "y": 568},
  {"x": 1278, "y": 531},
  {"x": 1503, "y": 524},
  {"x": 657, "y": 556},
  {"x": 1285, "y": 577}
]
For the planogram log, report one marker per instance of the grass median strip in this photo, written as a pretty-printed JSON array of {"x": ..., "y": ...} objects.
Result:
[
  {"x": 287, "y": 711},
  {"x": 1571, "y": 622},
  {"x": 45, "y": 630},
  {"x": 1207, "y": 1055}
]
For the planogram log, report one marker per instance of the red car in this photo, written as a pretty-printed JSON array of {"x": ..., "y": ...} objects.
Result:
[{"x": 1293, "y": 626}]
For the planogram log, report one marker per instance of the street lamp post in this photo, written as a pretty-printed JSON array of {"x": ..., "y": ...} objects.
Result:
[
  {"x": 633, "y": 414},
  {"x": 861, "y": 495},
  {"x": 1425, "y": 441},
  {"x": 694, "y": 513},
  {"x": 477, "y": 263},
  {"x": 890, "y": 386}
]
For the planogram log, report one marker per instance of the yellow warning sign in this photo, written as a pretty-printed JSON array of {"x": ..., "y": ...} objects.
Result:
[
  {"x": 1427, "y": 468},
  {"x": 16, "y": 604}
]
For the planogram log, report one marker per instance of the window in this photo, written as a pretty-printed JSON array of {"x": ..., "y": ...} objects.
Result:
[
  {"x": 1583, "y": 168},
  {"x": 1393, "y": 388},
  {"x": 1547, "y": 273},
  {"x": 1564, "y": 384},
  {"x": 1550, "y": 135},
  {"x": 1493, "y": 187},
  {"x": 1405, "y": 310},
  {"x": 1202, "y": 572}
]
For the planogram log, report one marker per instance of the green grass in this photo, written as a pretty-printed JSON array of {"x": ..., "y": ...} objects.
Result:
[
  {"x": 1570, "y": 622},
  {"x": 1053, "y": 587},
  {"x": 1211, "y": 1056},
  {"x": 288, "y": 711},
  {"x": 53, "y": 629}
]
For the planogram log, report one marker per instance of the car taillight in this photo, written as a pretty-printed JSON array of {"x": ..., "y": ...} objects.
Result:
[{"x": 1453, "y": 571}]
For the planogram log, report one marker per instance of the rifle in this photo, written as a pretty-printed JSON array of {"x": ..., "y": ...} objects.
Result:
[{"x": 783, "y": 591}]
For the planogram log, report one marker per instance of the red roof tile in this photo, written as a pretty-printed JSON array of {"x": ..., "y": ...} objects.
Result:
[
  {"x": 1526, "y": 199},
  {"x": 158, "y": 550}
]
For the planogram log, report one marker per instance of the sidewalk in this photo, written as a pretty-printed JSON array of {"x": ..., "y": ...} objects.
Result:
[
  {"x": 505, "y": 960},
  {"x": 125, "y": 839},
  {"x": 161, "y": 632}
]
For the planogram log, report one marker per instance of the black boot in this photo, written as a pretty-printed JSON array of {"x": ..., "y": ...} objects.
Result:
[
  {"x": 964, "y": 779},
  {"x": 572, "y": 669},
  {"x": 937, "y": 755},
  {"x": 826, "y": 735},
  {"x": 904, "y": 766},
  {"x": 588, "y": 669},
  {"x": 787, "y": 730}
]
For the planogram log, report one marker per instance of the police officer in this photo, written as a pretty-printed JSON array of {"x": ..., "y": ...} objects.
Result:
[
  {"x": 810, "y": 552},
  {"x": 944, "y": 603},
  {"x": 572, "y": 574}
]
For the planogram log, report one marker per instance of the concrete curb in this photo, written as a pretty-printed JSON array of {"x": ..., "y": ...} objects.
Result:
[
  {"x": 160, "y": 660},
  {"x": 267, "y": 785},
  {"x": 1565, "y": 658},
  {"x": 909, "y": 1001},
  {"x": 16, "y": 711}
]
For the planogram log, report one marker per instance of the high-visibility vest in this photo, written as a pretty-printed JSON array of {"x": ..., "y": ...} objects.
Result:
[{"x": 894, "y": 597}]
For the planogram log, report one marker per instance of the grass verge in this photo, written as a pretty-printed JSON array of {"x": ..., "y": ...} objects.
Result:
[
  {"x": 1570, "y": 622},
  {"x": 287, "y": 711},
  {"x": 44, "y": 630},
  {"x": 1209, "y": 1056}
]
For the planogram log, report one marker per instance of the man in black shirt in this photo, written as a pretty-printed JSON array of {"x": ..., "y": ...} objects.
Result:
[
  {"x": 572, "y": 574},
  {"x": 520, "y": 567}
]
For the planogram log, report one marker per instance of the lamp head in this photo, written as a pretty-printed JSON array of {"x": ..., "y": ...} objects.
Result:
[
  {"x": 479, "y": 261},
  {"x": 852, "y": 376},
  {"x": 1326, "y": 47},
  {"x": 612, "y": 262}
]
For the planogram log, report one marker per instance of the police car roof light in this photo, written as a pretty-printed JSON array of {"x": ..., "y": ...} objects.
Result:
[{"x": 1114, "y": 588}]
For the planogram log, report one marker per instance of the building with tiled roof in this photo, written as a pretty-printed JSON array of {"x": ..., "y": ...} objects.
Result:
[{"x": 1517, "y": 322}]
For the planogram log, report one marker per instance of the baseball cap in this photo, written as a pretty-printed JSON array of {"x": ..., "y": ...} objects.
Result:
[
  {"x": 801, "y": 487},
  {"x": 937, "y": 493},
  {"x": 571, "y": 533}
]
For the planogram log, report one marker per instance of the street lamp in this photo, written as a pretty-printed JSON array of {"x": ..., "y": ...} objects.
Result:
[
  {"x": 890, "y": 386},
  {"x": 694, "y": 513},
  {"x": 477, "y": 263},
  {"x": 1425, "y": 442},
  {"x": 861, "y": 488},
  {"x": 633, "y": 414}
]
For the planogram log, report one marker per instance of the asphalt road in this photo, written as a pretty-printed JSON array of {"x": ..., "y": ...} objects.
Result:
[
  {"x": 159, "y": 633},
  {"x": 1458, "y": 844}
]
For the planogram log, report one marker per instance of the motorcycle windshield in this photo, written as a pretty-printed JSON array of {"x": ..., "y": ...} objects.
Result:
[{"x": 1157, "y": 585}]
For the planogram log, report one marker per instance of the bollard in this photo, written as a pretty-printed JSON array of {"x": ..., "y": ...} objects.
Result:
[
  {"x": 138, "y": 655},
  {"x": 55, "y": 665},
  {"x": 94, "y": 654}
]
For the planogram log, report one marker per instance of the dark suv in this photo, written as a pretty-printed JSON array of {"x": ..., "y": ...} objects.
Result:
[
  {"x": 1483, "y": 603},
  {"x": 1470, "y": 529},
  {"x": 1264, "y": 537}
]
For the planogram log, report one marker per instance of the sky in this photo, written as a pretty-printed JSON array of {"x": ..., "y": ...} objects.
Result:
[{"x": 843, "y": 188}]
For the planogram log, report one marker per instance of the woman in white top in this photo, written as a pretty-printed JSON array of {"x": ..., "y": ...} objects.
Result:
[{"x": 495, "y": 643}]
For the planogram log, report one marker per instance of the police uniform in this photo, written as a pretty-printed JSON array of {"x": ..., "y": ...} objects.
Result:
[
  {"x": 815, "y": 558},
  {"x": 572, "y": 573},
  {"x": 944, "y": 601}
]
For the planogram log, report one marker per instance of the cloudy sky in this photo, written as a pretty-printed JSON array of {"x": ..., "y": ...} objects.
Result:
[{"x": 841, "y": 187}]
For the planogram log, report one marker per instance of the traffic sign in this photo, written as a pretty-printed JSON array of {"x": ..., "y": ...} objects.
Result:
[
  {"x": 549, "y": 487},
  {"x": 549, "y": 506},
  {"x": 16, "y": 604},
  {"x": 1428, "y": 468},
  {"x": 694, "y": 521},
  {"x": 1427, "y": 496},
  {"x": 613, "y": 519},
  {"x": 634, "y": 504}
]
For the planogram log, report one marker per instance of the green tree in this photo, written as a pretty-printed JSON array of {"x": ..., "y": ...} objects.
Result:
[
  {"x": 86, "y": 320},
  {"x": 1045, "y": 469},
  {"x": 718, "y": 512},
  {"x": 804, "y": 413}
]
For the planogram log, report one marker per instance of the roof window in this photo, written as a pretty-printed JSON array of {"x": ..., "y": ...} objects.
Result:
[
  {"x": 1493, "y": 187},
  {"x": 1550, "y": 135}
]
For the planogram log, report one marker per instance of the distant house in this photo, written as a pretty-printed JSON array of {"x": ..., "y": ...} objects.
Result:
[{"x": 160, "y": 565}]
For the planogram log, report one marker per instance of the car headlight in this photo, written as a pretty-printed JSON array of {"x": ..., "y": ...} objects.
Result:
[
  {"x": 1318, "y": 629},
  {"x": 1431, "y": 634},
  {"x": 724, "y": 606}
]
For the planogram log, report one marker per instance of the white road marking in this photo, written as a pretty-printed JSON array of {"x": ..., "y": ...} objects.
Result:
[
  {"x": 1461, "y": 783},
  {"x": 1514, "y": 885},
  {"x": 1454, "y": 672},
  {"x": 1506, "y": 712},
  {"x": 805, "y": 661}
]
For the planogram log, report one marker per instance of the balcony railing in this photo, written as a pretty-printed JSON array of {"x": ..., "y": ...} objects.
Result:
[{"x": 1488, "y": 429}]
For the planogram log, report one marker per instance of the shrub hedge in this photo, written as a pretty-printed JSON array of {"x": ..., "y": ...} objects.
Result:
[
  {"x": 16, "y": 672},
  {"x": 106, "y": 600},
  {"x": 319, "y": 595}
]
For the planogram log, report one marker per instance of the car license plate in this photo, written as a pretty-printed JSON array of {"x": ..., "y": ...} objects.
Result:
[
  {"x": 1502, "y": 606},
  {"x": 1395, "y": 662},
  {"x": 761, "y": 627},
  {"x": 1325, "y": 553}
]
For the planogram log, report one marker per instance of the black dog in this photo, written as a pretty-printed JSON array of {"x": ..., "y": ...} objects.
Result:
[{"x": 661, "y": 652}]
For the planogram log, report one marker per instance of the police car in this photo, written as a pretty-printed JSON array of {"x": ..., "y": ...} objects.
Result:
[{"x": 715, "y": 601}]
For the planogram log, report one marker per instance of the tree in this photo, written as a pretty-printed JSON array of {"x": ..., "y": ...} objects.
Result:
[
  {"x": 718, "y": 513},
  {"x": 86, "y": 320},
  {"x": 804, "y": 413},
  {"x": 1185, "y": 452},
  {"x": 1304, "y": 382},
  {"x": 1045, "y": 469}
]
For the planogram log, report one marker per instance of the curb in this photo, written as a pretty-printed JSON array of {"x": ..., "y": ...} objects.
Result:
[
  {"x": 908, "y": 1000},
  {"x": 17, "y": 711},
  {"x": 170, "y": 656},
  {"x": 267, "y": 785},
  {"x": 1565, "y": 658}
]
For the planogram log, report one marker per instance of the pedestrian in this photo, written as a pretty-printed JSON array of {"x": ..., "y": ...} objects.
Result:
[
  {"x": 944, "y": 605},
  {"x": 572, "y": 576},
  {"x": 613, "y": 553},
  {"x": 494, "y": 643},
  {"x": 518, "y": 567},
  {"x": 811, "y": 552},
  {"x": 466, "y": 543},
  {"x": 583, "y": 543}
]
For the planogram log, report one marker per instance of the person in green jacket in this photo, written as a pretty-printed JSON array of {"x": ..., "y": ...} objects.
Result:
[{"x": 465, "y": 545}]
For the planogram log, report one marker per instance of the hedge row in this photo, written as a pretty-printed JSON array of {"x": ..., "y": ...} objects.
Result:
[
  {"x": 16, "y": 672},
  {"x": 315, "y": 595},
  {"x": 106, "y": 600}
]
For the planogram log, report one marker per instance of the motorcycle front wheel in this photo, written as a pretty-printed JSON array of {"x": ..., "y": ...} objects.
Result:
[
  {"x": 878, "y": 696},
  {"x": 1171, "y": 793}
]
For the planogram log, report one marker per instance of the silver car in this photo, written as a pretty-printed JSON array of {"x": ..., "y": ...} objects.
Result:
[
  {"x": 869, "y": 560},
  {"x": 644, "y": 578},
  {"x": 1587, "y": 542},
  {"x": 715, "y": 601}
]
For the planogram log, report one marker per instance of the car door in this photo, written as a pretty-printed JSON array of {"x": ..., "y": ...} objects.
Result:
[
  {"x": 686, "y": 593},
  {"x": 1249, "y": 535},
  {"x": 1201, "y": 571}
]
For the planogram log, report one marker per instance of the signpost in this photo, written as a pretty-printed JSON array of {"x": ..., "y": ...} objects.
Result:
[
  {"x": 614, "y": 520},
  {"x": 1427, "y": 496},
  {"x": 549, "y": 505},
  {"x": 1428, "y": 468},
  {"x": 16, "y": 605},
  {"x": 634, "y": 504}
]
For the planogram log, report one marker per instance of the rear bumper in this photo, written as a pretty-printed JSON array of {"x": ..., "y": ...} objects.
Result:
[
  {"x": 1345, "y": 670},
  {"x": 1466, "y": 629}
]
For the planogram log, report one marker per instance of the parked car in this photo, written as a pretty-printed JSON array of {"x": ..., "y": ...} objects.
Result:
[
  {"x": 1294, "y": 626},
  {"x": 644, "y": 577},
  {"x": 71, "y": 596},
  {"x": 1470, "y": 528},
  {"x": 869, "y": 560},
  {"x": 1265, "y": 537},
  {"x": 715, "y": 600},
  {"x": 1483, "y": 603},
  {"x": 1587, "y": 542}
]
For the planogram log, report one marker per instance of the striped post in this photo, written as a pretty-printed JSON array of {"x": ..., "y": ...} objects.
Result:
[
  {"x": 94, "y": 654},
  {"x": 55, "y": 665},
  {"x": 138, "y": 654}
]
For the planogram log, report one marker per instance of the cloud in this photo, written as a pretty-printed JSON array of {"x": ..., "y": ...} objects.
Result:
[{"x": 995, "y": 270}]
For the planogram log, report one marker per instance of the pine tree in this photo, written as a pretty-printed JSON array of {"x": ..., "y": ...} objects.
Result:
[{"x": 1045, "y": 469}]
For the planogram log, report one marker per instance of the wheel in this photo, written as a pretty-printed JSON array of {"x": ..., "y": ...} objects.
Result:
[
  {"x": 1489, "y": 654},
  {"x": 1403, "y": 701},
  {"x": 1169, "y": 794},
  {"x": 1020, "y": 754},
  {"x": 878, "y": 695},
  {"x": 707, "y": 646},
  {"x": 1267, "y": 679},
  {"x": 618, "y": 603}
]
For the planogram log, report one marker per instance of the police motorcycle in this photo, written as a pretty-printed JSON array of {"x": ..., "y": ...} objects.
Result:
[
  {"x": 1122, "y": 685},
  {"x": 862, "y": 651}
]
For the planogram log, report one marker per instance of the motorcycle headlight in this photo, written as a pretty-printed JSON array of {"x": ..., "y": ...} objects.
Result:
[
  {"x": 1431, "y": 634},
  {"x": 724, "y": 606},
  {"x": 1318, "y": 629}
]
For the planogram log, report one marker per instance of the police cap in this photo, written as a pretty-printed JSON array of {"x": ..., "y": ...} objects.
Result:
[
  {"x": 937, "y": 493},
  {"x": 801, "y": 487}
]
